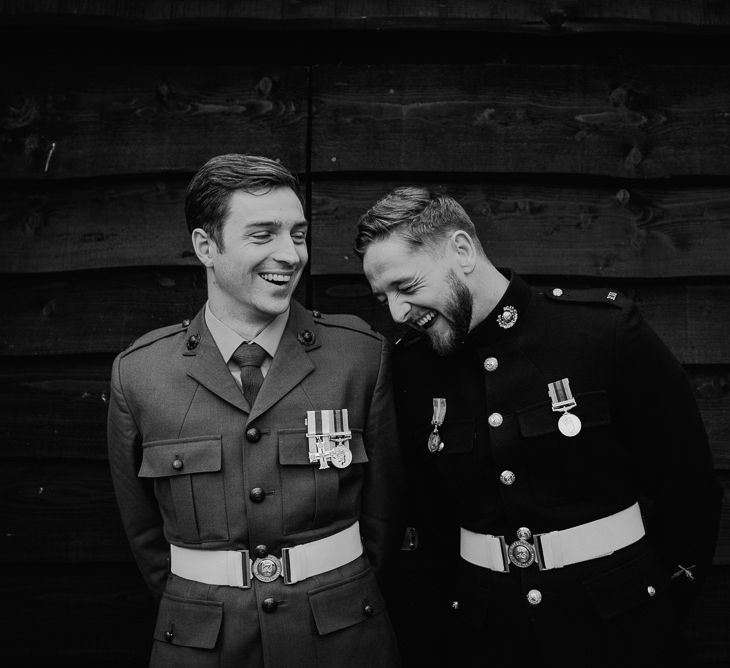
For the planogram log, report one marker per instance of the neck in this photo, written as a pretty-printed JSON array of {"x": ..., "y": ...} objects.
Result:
[
  {"x": 487, "y": 287},
  {"x": 237, "y": 319}
]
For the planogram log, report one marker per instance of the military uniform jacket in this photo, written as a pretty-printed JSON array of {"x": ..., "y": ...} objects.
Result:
[
  {"x": 194, "y": 465},
  {"x": 505, "y": 465}
]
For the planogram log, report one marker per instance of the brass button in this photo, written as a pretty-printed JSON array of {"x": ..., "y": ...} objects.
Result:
[
  {"x": 534, "y": 597},
  {"x": 495, "y": 420},
  {"x": 169, "y": 636},
  {"x": 269, "y": 605},
  {"x": 368, "y": 609},
  {"x": 491, "y": 363},
  {"x": 557, "y": 292},
  {"x": 253, "y": 435},
  {"x": 256, "y": 495},
  {"x": 507, "y": 477},
  {"x": 316, "y": 314},
  {"x": 261, "y": 551},
  {"x": 454, "y": 605},
  {"x": 523, "y": 533},
  {"x": 177, "y": 464},
  {"x": 650, "y": 590},
  {"x": 186, "y": 323}
]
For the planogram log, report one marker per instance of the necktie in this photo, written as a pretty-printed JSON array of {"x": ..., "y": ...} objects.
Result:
[{"x": 250, "y": 356}]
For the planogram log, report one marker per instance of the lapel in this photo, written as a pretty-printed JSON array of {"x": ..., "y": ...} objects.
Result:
[
  {"x": 292, "y": 363},
  {"x": 206, "y": 365}
]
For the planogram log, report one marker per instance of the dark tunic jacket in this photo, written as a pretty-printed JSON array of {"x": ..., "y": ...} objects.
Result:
[
  {"x": 246, "y": 481},
  {"x": 642, "y": 439}
]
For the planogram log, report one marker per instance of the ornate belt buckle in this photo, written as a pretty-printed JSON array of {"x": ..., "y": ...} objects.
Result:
[
  {"x": 521, "y": 553},
  {"x": 266, "y": 569}
]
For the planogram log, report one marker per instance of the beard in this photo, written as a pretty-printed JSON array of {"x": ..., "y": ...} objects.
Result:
[{"x": 458, "y": 311}]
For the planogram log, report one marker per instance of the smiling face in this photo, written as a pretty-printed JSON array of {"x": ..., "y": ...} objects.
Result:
[
  {"x": 251, "y": 279},
  {"x": 422, "y": 288}
]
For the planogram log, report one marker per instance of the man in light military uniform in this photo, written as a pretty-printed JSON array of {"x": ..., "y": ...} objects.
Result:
[
  {"x": 561, "y": 477},
  {"x": 253, "y": 450}
]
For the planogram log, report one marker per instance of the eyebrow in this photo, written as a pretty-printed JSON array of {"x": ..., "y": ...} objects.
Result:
[{"x": 276, "y": 223}]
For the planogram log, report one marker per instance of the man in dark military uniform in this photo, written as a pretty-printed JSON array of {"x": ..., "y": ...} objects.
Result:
[
  {"x": 560, "y": 474},
  {"x": 253, "y": 450}
]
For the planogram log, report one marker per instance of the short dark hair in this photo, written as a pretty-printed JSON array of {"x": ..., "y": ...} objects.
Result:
[
  {"x": 210, "y": 190},
  {"x": 420, "y": 217}
]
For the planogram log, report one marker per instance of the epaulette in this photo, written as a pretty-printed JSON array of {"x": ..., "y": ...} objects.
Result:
[
  {"x": 156, "y": 335},
  {"x": 345, "y": 321},
  {"x": 589, "y": 296}
]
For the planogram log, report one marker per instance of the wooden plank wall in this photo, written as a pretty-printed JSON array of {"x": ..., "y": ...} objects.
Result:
[{"x": 590, "y": 141}]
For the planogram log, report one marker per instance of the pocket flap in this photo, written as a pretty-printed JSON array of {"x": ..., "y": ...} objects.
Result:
[
  {"x": 457, "y": 437},
  {"x": 188, "y": 622},
  {"x": 345, "y": 604},
  {"x": 180, "y": 457},
  {"x": 294, "y": 448},
  {"x": 591, "y": 408},
  {"x": 626, "y": 587}
]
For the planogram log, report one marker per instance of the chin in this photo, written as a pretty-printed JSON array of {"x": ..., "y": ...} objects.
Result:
[{"x": 442, "y": 343}]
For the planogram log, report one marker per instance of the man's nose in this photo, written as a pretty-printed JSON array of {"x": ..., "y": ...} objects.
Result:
[
  {"x": 399, "y": 310},
  {"x": 286, "y": 251}
]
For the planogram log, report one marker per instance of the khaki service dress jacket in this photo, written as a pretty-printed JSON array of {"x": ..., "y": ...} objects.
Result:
[{"x": 195, "y": 466}]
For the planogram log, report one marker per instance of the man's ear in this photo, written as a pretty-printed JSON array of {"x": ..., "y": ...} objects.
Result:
[
  {"x": 465, "y": 250},
  {"x": 203, "y": 246}
]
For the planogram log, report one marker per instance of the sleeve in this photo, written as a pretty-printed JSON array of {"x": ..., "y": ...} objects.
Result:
[
  {"x": 681, "y": 498},
  {"x": 139, "y": 510},
  {"x": 381, "y": 517}
]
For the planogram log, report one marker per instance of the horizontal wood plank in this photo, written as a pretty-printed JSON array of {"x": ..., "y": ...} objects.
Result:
[
  {"x": 65, "y": 511},
  {"x": 629, "y": 121},
  {"x": 525, "y": 15},
  {"x": 552, "y": 229},
  {"x": 98, "y": 120},
  {"x": 56, "y": 408},
  {"x": 689, "y": 318},
  {"x": 82, "y": 615}
]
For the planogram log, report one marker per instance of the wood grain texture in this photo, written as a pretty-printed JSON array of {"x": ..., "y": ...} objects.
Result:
[
  {"x": 629, "y": 121},
  {"x": 88, "y": 615},
  {"x": 552, "y": 229},
  {"x": 522, "y": 16},
  {"x": 56, "y": 408},
  {"x": 593, "y": 230},
  {"x": 689, "y": 318},
  {"x": 99, "y": 120}
]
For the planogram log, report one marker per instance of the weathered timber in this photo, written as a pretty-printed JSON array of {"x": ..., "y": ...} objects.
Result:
[
  {"x": 525, "y": 15},
  {"x": 539, "y": 229},
  {"x": 59, "y": 511},
  {"x": 629, "y": 121},
  {"x": 97, "y": 311},
  {"x": 90, "y": 615},
  {"x": 65, "y": 511},
  {"x": 689, "y": 318},
  {"x": 56, "y": 408},
  {"x": 66, "y": 121},
  {"x": 595, "y": 231},
  {"x": 65, "y": 227}
]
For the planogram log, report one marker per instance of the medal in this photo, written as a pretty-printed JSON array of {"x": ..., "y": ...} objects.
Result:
[
  {"x": 562, "y": 399},
  {"x": 328, "y": 435},
  {"x": 435, "y": 444}
]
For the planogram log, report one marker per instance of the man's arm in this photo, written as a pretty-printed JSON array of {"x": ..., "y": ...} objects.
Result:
[
  {"x": 381, "y": 518},
  {"x": 140, "y": 513},
  {"x": 680, "y": 494}
]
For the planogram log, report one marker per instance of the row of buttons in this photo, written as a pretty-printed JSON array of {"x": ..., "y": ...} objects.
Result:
[{"x": 495, "y": 420}]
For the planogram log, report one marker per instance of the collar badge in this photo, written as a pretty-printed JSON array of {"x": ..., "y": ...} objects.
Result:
[{"x": 507, "y": 318}]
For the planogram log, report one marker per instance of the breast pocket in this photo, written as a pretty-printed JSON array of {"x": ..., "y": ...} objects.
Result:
[
  {"x": 189, "y": 486},
  {"x": 314, "y": 497},
  {"x": 558, "y": 463}
]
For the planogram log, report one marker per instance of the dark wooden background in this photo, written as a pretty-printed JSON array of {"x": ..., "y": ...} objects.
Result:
[{"x": 590, "y": 141}]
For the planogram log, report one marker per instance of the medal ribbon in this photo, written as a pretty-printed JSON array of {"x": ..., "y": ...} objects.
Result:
[{"x": 560, "y": 395}]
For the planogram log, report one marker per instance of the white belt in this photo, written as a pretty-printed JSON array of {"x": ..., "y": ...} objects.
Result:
[
  {"x": 234, "y": 568},
  {"x": 556, "y": 548}
]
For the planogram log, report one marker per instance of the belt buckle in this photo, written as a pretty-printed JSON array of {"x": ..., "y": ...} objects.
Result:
[
  {"x": 522, "y": 554},
  {"x": 266, "y": 569}
]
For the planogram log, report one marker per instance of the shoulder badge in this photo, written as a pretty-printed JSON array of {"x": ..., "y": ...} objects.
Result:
[{"x": 156, "y": 335}]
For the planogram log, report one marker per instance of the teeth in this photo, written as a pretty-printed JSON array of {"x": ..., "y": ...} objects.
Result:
[
  {"x": 279, "y": 278},
  {"x": 424, "y": 320}
]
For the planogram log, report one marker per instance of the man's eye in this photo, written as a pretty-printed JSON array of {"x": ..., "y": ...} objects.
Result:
[
  {"x": 299, "y": 237},
  {"x": 262, "y": 236}
]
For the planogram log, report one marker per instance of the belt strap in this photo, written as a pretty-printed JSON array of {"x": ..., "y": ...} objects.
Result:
[
  {"x": 556, "y": 549},
  {"x": 233, "y": 567}
]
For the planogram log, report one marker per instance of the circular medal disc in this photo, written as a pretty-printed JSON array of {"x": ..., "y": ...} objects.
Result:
[
  {"x": 569, "y": 424},
  {"x": 341, "y": 457},
  {"x": 434, "y": 442}
]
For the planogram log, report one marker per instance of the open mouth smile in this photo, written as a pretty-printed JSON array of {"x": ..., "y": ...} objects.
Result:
[
  {"x": 276, "y": 279},
  {"x": 426, "y": 320}
]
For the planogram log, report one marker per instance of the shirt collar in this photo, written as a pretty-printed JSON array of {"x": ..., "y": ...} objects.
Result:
[
  {"x": 504, "y": 319},
  {"x": 227, "y": 340}
]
